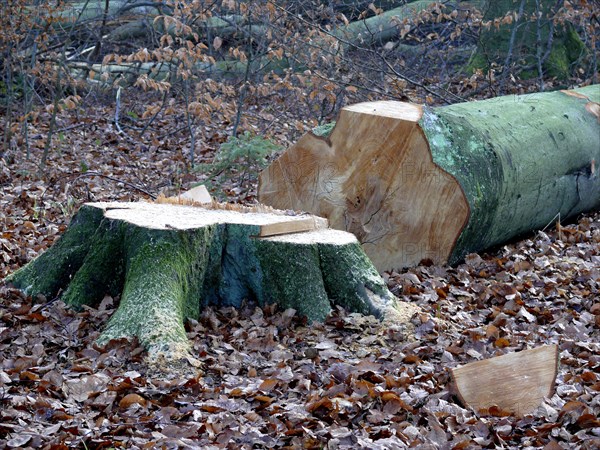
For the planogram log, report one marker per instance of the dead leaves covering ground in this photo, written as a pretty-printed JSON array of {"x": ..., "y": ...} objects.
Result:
[{"x": 273, "y": 382}]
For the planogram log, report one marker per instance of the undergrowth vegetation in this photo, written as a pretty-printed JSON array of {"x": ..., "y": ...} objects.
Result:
[{"x": 238, "y": 161}]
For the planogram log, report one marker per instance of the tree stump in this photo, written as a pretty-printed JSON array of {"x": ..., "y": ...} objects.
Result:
[
  {"x": 413, "y": 182},
  {"x": 168, "y": 261}
]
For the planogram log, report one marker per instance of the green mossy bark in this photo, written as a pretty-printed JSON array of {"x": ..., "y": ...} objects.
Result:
[
  {"x": 567, "y": 48},
  {"x": 50, "y": 272},
  {"x": 323, "y": 130},
  {"x": 163, "y": 283},
  {"x": 102, "y": 269},
  {"x": 292, "y": 275},
  {"x": 349, "y": 277},
  {"x": 508, "y": 155},
  {"x": 166, "y": 276}
]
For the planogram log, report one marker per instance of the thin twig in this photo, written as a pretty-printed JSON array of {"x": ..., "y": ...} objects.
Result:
[
  {"x": 117, "y": 180},
  {"x": 155, "y": 115},
  {"x": 118, "y": 110},
  {"x": 243, "y": 90},
  {"x": 511, "y": 46},
  {"x": 186, "y": 96},
  {"x": 538, "y": 45},
  {"x": 61, "y": 130},
  {"x": 89, "y": 174}
]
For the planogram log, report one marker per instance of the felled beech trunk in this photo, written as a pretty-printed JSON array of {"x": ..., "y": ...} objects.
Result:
[
  {"x": 167, "y": 261},
  {"x": 415, "y": 183},
  {"x": 83, "y": 13}
]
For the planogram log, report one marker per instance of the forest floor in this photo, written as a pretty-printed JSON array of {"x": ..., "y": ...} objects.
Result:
[{"x": 271, "y": 381}]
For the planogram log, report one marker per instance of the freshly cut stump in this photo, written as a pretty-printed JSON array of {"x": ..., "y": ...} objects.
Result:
[
  {"x": 515, "y": 383},
  {"x": 168, "y": 261},
  {"x": 414, "y": 183}
]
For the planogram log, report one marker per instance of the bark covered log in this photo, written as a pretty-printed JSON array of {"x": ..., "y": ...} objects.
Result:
[
  {"x": 373, "y": 31},
  {"x": 416, "y": 183},
  {"x": 168, "y": 261},
  {"x": 381, "y": 28},
  {"x": 79, "y": 14},
  {"x": 126, "y": 73}
]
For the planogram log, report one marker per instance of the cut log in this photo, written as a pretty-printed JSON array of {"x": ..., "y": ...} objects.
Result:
[
  {"x": 515, "y": 383},
  {"x": 386, "y": 25},
  {"x": 78, "y": 14},
  {"x": 415, "y": 183},
  {"x": 168, "y": 261},
  {"x": 126, "y": 74}
]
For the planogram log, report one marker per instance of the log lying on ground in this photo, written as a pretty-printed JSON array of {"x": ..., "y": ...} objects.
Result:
[
  {"x": 515, "y": 383},
  {"x": 380, "y": 28},
  {"x": 376, "y": 30},
  {"x": 383, "y": 27},
  {"x": 168, "y": 261},
  {"x": 126, "y": 74},
  {"x": 78, "y": 14},
  {"x": 416, "y": 183},
  {"x": 226, "y": 27}
]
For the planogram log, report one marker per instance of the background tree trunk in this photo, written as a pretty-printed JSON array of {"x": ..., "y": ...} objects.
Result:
[{"x": 521, "y": 44}]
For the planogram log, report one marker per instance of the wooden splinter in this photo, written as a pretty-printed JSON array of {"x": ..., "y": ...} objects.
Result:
[{"x": 516, "y": 383}]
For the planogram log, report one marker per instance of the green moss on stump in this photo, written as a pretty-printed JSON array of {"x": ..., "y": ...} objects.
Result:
[
  {"x": 293, "y": 274},
  {"x": 102, "y": 269},
  {"x": 53, "y": 271},
  {"x": 168, "y": 261},
  {"x": 350, "y": 278}
]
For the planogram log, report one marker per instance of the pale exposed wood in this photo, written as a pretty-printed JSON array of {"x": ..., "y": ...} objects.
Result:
[
  {"x": 375, "y": 177},
  {"x": 198, "y": 194},
  {"x": 270, "y": 222},
  {"x": 407, "y": 112},
  {"x": 310, "y": 223},
  {"x": 163, "y": 215},
  {"x": 516, "y": 382}
]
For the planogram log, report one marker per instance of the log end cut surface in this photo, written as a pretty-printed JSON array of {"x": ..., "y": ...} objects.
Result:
[{"x": 374, "y": 176}]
